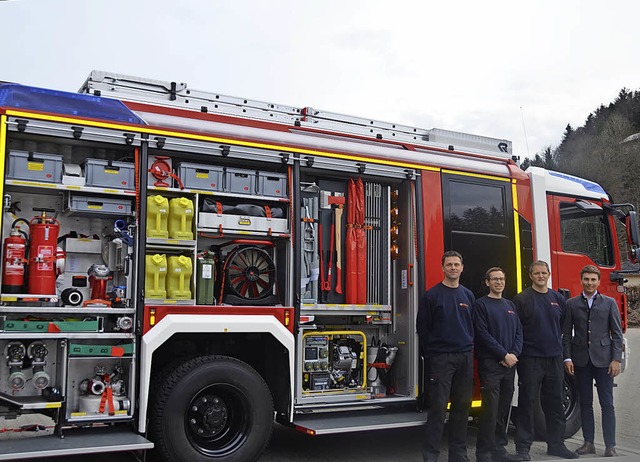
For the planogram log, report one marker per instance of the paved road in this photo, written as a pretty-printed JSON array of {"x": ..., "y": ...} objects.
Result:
[{"x": 404, "y": 444}]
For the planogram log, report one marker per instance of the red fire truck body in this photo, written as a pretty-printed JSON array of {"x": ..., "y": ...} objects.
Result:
[{"x": 205, "y": 262}]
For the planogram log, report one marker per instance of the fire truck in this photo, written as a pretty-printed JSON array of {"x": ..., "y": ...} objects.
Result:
[{"x": 180, "y": 269}]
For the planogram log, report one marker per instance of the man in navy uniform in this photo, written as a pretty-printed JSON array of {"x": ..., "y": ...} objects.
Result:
[
  {"x": 445, "y": 330},
  {"x": 592, "y": 341},
  {"x": 498, "y": 343},
  {"x": 540, "y": 368}
]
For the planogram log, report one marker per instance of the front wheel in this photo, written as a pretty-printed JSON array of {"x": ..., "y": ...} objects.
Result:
[
  {"x": 570, "y": 406},
  {"x": 211, "y": 408}
]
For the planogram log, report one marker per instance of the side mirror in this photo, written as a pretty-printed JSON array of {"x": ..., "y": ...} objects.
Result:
[{"x": 631, "y": 222}]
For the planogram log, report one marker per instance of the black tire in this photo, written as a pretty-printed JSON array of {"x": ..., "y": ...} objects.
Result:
[
  {"x": 211, "y": 408},
  {"x": 571, "y": 407}
]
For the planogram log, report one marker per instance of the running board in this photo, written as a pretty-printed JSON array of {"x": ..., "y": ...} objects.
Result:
[
  {"x": 75, "y": 442},
  {"x": 356, "y": 421}
]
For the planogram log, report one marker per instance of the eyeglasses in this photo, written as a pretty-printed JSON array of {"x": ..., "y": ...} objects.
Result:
[{"x": 497, "y": 279}]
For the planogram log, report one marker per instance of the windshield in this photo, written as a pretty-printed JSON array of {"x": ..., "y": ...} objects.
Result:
[{"x": 586, "y": 231}]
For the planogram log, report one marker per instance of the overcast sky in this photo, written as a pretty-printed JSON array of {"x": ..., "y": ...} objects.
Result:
[{"x": 493, "y": 68}]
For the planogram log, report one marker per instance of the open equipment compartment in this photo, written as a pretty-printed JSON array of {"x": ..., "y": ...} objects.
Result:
[
  {"x": 68, "y": 225},
  {"x": 356, "y": 282}
]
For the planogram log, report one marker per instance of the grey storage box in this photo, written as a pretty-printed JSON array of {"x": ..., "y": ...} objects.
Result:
[
  {"x": 240, "y": 181},
  {"x": 272, "y": 184},
  {"x": 82, "y": 245},
  {"x": 199, "y": 176},
  {"x": 35, "y": 166},
  {"x": 99, "y": 205},
  {"x": 106, "y": 174}
]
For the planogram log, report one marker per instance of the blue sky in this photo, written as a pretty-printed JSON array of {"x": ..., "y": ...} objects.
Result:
[{"x": 477, "y": 67}]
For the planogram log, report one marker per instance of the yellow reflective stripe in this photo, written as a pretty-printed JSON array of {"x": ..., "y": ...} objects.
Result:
[
  {"x": 70, "y": 120},
  {"x": 474, "y": 403},
  {"x": 516, "y": 233},
  {"x": 192, "y": 136},
  {"x": 476, "y": 175},
  {"x": 3, "y": 147}
]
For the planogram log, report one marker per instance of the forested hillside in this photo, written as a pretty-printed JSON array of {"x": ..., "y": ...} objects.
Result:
[{"x": 597, "y": 151}]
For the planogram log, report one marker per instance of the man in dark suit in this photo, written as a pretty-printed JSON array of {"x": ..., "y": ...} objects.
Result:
[{"x": 592, "y": 341}]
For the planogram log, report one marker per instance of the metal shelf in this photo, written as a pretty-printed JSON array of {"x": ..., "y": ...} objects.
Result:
[
  {"x": 69, "y": 335},
  {"x": 46, "y": 187},
  {"x": 216, "y": 233},
  {"x": 221, "y": 194},
  {"x": 342, "y": 307},
  {"x": 30, "y": 402},
  {"x": 101, "y": 418},
  {"x": 165, "y": 243},
  {"x": 65, "y": 309},
  {"x": 168, "y": 301}
]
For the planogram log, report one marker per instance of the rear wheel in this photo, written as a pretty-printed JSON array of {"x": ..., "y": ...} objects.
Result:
[{"x": 211, "y": 408}]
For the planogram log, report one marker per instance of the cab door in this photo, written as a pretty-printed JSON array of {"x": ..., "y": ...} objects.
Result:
[{"x": 581, "y": 233}]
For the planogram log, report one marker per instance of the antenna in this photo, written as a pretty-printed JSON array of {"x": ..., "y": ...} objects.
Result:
[{"x": 524, "y": 128}]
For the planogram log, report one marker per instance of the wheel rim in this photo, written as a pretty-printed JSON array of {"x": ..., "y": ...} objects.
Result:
[
  {"x": 569, "y": 402},
  {"x": 251, "y": 273},
  {"x": 218, "y": 420}
]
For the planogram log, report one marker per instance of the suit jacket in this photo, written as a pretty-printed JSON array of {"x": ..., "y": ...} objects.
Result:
[{"x": 594, "y": 333}]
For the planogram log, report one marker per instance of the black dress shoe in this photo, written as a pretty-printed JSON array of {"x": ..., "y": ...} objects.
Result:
[
  {"x": 506, "y": 457},
  {"x": 586, "y": 448},
  {"x": 562, "y": 451},
  {"x": 522, "y": 455},
  {"x": 610, "y": 451}
]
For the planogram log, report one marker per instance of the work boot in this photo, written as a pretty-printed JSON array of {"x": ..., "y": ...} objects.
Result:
[
  {"x": 610, "y": 451},
  {"x": 586, "y": 448},
  {"x": 562, "y": 451}
]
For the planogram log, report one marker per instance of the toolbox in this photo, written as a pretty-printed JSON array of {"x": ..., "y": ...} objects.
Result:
[
  {"x": 200, "y": 176},
  {"x": 242, "y": 223},
  {"x": 272, "y": 184},
  {"x": 35, "y": 166},
  {"x": 108, "y": 174},
  {"x": 99, "y": 205},
  {"x": 240, "y": 181}
]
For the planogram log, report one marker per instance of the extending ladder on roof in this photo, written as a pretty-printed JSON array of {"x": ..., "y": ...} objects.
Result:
[{"x": 178, "y": 95}]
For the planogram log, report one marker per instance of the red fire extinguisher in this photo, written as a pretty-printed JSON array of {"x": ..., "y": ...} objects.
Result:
[
  {"x": 43, "y": 243},
  {"x": 15, "y": 261}
]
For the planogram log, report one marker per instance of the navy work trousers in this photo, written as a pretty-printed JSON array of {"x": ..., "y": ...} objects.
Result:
[
  {"x": 547, "y": 376},
  {"x": 450, "y": 378},
  {"x": 496, "y": 384}
]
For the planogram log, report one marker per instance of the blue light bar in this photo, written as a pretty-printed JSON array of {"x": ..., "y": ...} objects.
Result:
[
  {"x": 586, "y": 184},
  {"x": 66, "y": 103}
]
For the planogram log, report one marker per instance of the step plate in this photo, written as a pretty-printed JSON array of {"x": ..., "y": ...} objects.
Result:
[
  {"x": 345, "y": 421},
  {"x": 75, "y": 442}
]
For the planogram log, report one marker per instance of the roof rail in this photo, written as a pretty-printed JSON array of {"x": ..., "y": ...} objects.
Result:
[{"x": 178, "y": 95}]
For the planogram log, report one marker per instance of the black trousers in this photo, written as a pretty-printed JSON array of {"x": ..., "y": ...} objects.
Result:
[
  {"x": 450, "y": 377},
  {"x": 496, "y": 385},
  {"x": 546, "y": 375}
]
